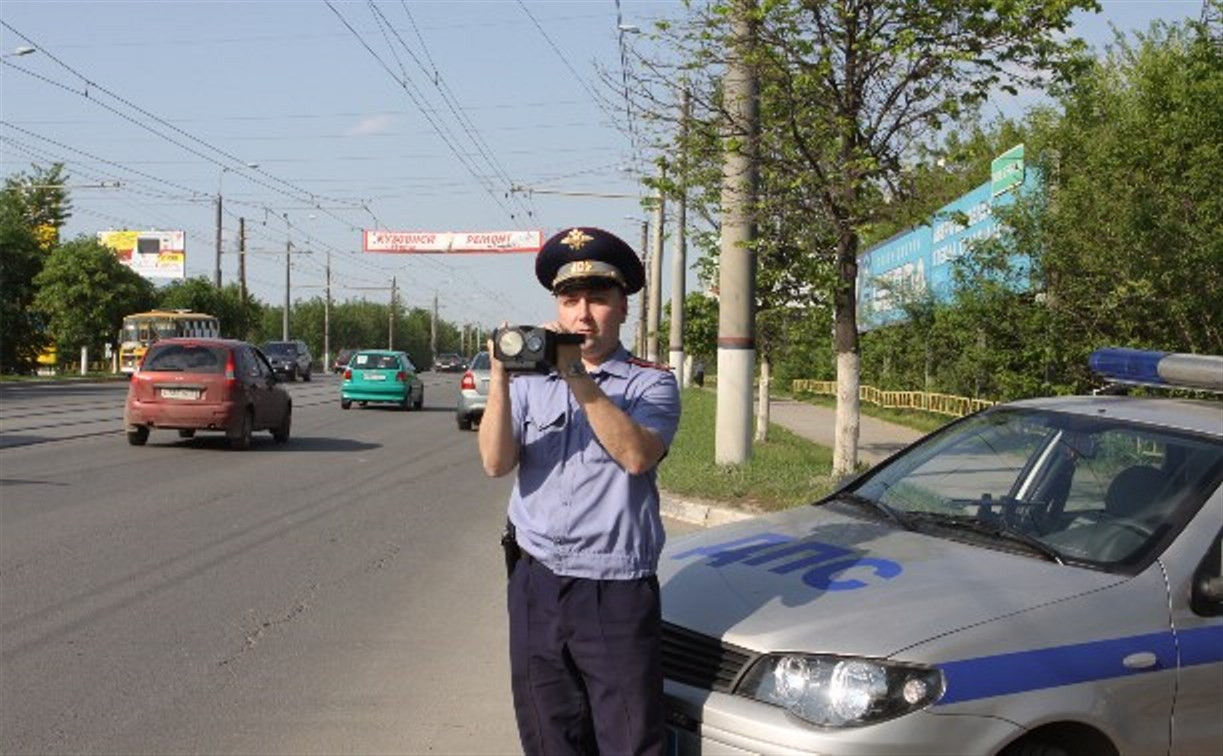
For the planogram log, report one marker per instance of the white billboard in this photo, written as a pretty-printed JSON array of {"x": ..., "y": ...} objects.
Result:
[
  {"x": 452, "y": 242},
  {"x": 152, "y": 254}
]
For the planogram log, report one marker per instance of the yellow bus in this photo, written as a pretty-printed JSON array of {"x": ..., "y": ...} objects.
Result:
[{"x": 143, "y": 328}]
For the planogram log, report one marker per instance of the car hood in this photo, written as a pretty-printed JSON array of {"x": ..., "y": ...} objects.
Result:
[{"x": 816, "y": 578}]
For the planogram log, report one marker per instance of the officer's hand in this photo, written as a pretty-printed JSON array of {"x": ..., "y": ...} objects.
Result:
[
  {"x": 496, "y": 367},
  {"x": 566, "y": 354}
]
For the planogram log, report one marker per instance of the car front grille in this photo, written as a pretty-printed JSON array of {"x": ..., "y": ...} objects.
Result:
[{"x": 701, "y": 661}]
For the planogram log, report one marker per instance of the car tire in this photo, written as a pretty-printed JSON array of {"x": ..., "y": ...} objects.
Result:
[
  {"x": 241, "y": 441},
  {"x": 292, "y": 375},
  {"x": 464, "y": 423},
  {"x": 186, "y": 432},
  {"x": 306, "y": 377},
  {"x": 419, "y": 402},
  {"x": 281, "y": 434},
  {"x": 345, "y": 403},
  {"x": 138, "y": 436},
  {"x": 406, "y": 404}
]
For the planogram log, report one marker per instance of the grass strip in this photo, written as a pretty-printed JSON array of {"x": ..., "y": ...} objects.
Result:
[{"x": 783, "y": 472}]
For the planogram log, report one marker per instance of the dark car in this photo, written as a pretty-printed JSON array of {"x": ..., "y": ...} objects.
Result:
[
  {"x": 449, "y": 362},
  {"x": 193, "y": 385},
  {"x": 290, "y": 359},
  {"x": 341, "y": 360}
]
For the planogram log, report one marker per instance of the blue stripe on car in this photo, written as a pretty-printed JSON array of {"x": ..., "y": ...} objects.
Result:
[{"x": 1019, "y": 672}]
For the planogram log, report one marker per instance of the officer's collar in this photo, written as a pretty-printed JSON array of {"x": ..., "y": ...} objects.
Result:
[{"x": 616, "y": 364}]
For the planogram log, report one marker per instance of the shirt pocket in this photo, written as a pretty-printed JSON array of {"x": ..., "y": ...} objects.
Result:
[{"x": 543, "y": 440}]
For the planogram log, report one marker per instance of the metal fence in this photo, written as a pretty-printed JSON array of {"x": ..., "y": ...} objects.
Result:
[{"x": 943, "y": 404}]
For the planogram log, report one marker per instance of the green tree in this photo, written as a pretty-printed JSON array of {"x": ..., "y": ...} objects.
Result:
[
  {"x": 41, "y": 196},
  {"x": 238, "y": 318},
  {"x": 1123, "y": 241},
  {"x": 851, "y": 86},
  {"x": 21, "y": 258},
  {"x": 83, "y": 294}
]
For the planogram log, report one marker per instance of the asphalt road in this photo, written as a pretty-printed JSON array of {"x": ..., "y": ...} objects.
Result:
[{"x": 340, "y": 594}]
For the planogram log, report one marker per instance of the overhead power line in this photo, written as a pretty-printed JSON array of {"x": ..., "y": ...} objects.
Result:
[{"x": 407, "y": 86}]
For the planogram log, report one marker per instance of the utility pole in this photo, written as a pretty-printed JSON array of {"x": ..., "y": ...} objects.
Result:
[
  {"x": 737, "y": 268},
  {"x": 679, "y": 263},
  {"x": 242, "y": 261},
  {"x": 327, "y": 316},
  {"x": 216, "y": 265},
  {"x": 642, "y": 329},
  {"x": 655, "y": 285},
  {"x": 390, "y": 328},
  {"x": 433, "y": 330},
  {"x": 284, "y": 324}
]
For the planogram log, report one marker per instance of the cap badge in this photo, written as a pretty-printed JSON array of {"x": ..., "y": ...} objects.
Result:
[{"x": 576, "y": 239}]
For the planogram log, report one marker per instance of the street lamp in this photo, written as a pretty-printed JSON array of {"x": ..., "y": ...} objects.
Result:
[
  {"x": 17, "y": 52},
  {"x": 216, "y": 267}
]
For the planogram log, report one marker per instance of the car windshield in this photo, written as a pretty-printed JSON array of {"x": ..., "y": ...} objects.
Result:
[
  {"x": 186, "y": 358},
  {"x": 1093, "y": 491},
  {"x": 376, "y": 362},
  {"x": 480, "y": 361},
  {"x": 279, "y": 348}
]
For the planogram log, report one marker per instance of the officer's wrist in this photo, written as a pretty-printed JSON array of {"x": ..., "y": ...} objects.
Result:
[{"x": 575, "y": 370}]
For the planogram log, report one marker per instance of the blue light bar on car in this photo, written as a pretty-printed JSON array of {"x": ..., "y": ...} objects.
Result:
[{"x": 1168, "y": 369}]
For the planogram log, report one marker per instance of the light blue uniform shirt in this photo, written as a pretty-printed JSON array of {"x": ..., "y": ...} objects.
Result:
[{"x": 574, "y": 507}]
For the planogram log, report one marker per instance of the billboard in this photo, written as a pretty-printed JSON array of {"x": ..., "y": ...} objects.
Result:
[
  {"x": 451, "y": 242},
  {"x": 920, "y": 261},
  {"x": 152, "y": 254}
]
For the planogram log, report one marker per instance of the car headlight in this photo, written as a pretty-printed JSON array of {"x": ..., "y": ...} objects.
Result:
[{"x": 838, "y": 691}]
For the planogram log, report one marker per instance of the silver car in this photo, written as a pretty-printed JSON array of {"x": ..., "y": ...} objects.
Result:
[
  {"x": 1043, "y": 577},
  {"x": 473, "y": 392}
]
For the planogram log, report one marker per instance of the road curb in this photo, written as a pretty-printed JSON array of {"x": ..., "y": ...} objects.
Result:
[{"x": 704, "y": 513}]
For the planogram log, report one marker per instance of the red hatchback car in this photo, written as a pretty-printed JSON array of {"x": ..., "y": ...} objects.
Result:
[{"x": 191, "y": 385}]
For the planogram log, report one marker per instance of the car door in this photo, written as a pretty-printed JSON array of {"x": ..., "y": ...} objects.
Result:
[
  {"x": 261, "y": 384},
  {"x": 415, "y": 387},
  {"x": 1196, "y": 726}
]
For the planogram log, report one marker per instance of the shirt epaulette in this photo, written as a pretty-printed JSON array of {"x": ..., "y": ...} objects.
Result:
[{"x": 646, "y": 364}]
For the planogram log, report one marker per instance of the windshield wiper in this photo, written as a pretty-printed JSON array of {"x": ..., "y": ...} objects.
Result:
[
  {"x": 877, "y": 506},
  {"x": 998, "y": 529}
]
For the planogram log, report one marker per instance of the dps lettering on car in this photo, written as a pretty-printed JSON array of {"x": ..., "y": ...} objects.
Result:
[{"x": 823, "y": 563}]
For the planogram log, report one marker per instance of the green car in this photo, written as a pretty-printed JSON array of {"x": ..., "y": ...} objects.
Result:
[{"x": 381, "y": 375}]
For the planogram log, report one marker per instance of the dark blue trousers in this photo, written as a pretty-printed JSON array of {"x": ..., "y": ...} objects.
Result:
[{"x": 585, "y": 663}]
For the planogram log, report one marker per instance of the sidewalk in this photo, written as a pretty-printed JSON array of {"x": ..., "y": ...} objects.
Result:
[{"x": 877, "y": 440}]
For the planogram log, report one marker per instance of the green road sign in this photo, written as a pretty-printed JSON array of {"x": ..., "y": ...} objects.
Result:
[{"x": 1006, "y": 171}]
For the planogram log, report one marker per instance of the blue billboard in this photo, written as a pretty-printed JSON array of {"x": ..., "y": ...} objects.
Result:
[{"x": 918, "y": 262}]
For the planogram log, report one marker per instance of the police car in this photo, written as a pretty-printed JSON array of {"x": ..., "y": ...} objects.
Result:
[{"x": 1040, "y": 578}]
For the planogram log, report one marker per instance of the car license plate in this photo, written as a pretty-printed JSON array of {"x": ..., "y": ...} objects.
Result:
[
  {"x": 180, "y": 394},
  {"x": 375, "y": 377}
]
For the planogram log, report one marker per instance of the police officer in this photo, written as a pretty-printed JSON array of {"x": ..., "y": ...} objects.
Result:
[{"x": 586, "y": 440}]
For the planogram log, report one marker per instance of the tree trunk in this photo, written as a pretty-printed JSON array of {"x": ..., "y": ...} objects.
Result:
[
  {"x": 845, "y": 449},
  {"x": 762, "y": 411}
]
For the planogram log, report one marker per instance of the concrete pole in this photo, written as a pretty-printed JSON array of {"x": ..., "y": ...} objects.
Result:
[
  {"x": 433, "y": 329},
  {"x": 216, "y": 263},
  {"x": 327, "y": 318},
  {"x": 737, "y": 266},
  {"x": 242, "y": 262},
  {"x": 655, "y": 286},
  {"x": 284, "y": 322},
  {"x": 390, "y": 328},
  {"x": 643, "y": 303},
  {"x": 679, "y": 263}
]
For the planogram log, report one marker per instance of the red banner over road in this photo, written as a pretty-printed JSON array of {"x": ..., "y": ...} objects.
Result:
[{"x": 452, "y": 242}]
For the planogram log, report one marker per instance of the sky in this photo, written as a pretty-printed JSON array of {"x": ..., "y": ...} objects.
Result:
[{"x": 448, "y": 115}]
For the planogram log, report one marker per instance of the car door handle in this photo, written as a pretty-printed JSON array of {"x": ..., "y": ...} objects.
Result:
[{"x": 1140, "y": 660}]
